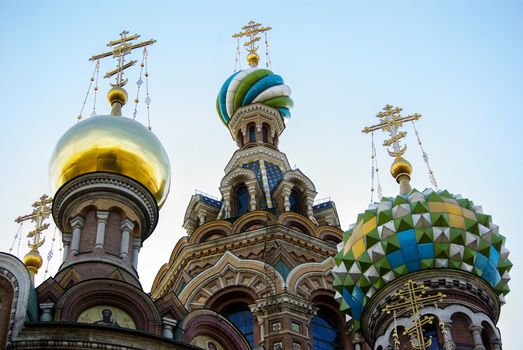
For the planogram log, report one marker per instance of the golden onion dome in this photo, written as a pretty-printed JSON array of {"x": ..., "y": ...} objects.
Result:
[
  {"x": 112, "y": 144},
  {"x": 400, "y": 166},
  {"x": 33, "y": 259}
]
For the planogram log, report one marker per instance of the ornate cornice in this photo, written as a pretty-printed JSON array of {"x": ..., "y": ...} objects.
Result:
[{"x": 91, "y": 185}]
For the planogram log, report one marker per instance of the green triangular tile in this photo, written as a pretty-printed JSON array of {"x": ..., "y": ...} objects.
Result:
[
  {"x": 401, "y": 270},
  {"x": 463, "y": 202},
  {"x": 427, "y": 263},
  {"x": 348, "y": 281},
  {"x": 378, "y": 284},
  {"x": 497, "y": 241},
  {"x": 372, "y": 238},
  {"x": 457, "y": 236},
  {"x": 399, "y": 200},
  {"x": 442, "y": 250},
  {"x": 434, "y": 197},
  {"x": 390, "y": 244},
  {"x": 363, "y": 284},
  {"x": 403, "y": 224},
  {"x": 419, "y": 207},
  {"x": 484, "y": 247},
  {"x": 468, "y": 256},
  {"x": 484, "y": 219},
  {"x": 454, "y": 264},
  {"x": 424, "y": 235},
  {"x": 445, "y": 194},
  {"x": 365, "y": 261},
  {"x": 384, "y": 216},
  {"x": 504, "y": 265},
  {"x": 369, "y": 214},
  {"x": 382, "y": 266},
  {"x": 439, "y": 219}
]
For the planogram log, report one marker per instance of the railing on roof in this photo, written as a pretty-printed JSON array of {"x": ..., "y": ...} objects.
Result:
[
  {"x": 197, "y": 191},
  {"x": 321, "y": 201}
]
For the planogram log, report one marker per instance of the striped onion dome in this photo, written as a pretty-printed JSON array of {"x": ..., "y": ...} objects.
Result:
[{"x": 253, "y": 85}]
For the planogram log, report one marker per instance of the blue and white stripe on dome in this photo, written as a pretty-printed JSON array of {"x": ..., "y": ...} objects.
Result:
[{"x": 253, "y": 85}]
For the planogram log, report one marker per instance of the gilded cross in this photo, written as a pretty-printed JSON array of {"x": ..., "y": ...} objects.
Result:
[
  {"x": 251, "y": 30},
  {"x": 121, "y": 48},
  {"x": 412, "y": 299},
  {"x": 391, "y": 122},
  {"x": 41, "y": 211}
]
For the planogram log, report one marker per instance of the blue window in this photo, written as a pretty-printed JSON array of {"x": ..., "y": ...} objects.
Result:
[
  {"x": 242, "y": 200},
  {"x": 252, "y": 134},
  {"x": 431, "y": 331},
  {"x": 294, "y": 200},
  {"x": 242, "y": 319},
  {"x": 265, "y": 134},
  {"x": 324, "y": 333}
]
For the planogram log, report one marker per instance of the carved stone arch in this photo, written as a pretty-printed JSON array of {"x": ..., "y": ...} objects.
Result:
[
  {"x": 212, "y": 280},
  {"x": 244, "y": 221},
  {"x": 301, "y": 223},
  {"x": 297, "y": 178},
  {"x": 203, "y": 232},
  {"x": 120, "y": 294},
  {"x": 330, "y": 234},
  {"x": 15, "y": 288},
  {"x": 232, "y": 180},
  {"x": 301, "y": 272},
  {"x": 207, "y": 324}
]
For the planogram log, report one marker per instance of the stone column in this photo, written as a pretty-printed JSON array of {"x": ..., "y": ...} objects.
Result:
[
  {"x": 100, "y": 230},
  {"x": 496, "y": 344},
  {"x": 286, "y": 201},
  {"x": 137, "y": 243},
  {"x": 126, "y": 227},
  {"x": 202, "y": 215},
  {"x": 168, "y": 326},
  {"x": 77, "y": 224},
  {"x": 475, "y": 330},
  {"x": 66, "y": 240},
  {"x": 448, "y": 343},
  {"x": 252, "y": 196},
  {"x": 46, "y": 314},
  {"x": 357, "y": 340}
]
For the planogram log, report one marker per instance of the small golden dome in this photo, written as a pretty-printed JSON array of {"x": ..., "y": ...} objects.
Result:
[
  {"x": 115, "y": 145},
  {"x": 400, "y": 166},
  {"x": 117, "y": 94},
  {"x": 33, "y": 259},
  {"x": 253, "y": 59}
]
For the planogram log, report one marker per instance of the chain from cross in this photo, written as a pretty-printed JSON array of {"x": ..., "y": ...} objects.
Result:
[
  {"x": 391, "y": 122},
  {"x": 251, "y": 30},
  {"x": 41, "y": 211},
  {"x": 412, "y": 300},
  {"x": 121, "y": 48}
]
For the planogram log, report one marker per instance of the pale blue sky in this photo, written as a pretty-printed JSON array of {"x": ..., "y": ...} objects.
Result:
[{"x": 458, "y": 63}]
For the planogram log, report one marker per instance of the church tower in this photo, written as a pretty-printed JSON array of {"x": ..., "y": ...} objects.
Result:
[
  {"x": 423, "y": 269},
  {"x": 254, "y": 269}
]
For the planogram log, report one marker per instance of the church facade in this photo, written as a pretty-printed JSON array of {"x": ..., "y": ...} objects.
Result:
[{"x": 265, "y": 266}]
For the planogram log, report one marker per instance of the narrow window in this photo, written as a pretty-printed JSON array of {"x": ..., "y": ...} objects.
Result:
[
  {"x": 242, "y": 200},
  {"x": 241, "y": 317},
  {"x": 324, "y": 333},
  {"x": 252, "y": 134},
  {"x": 265, "y": 134},
  {"x": 294, "y": 200}
]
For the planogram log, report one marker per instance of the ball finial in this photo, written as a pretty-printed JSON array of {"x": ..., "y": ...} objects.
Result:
[
  {"x": 33, "y": 261},
  {"x": 400, "y": 167},
  {"x": 117, "y": 95},
  {"x": 253, "y": 59}
]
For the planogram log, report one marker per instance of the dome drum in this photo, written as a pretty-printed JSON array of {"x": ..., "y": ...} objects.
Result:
[{"x": 81, "y": 190}]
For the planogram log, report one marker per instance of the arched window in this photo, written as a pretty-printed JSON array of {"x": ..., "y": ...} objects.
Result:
[
  {"x": 241, "y": 317},
  {"x": 252, "y": 133},
  {"x": 294, "y": 199},
  {"x": 325, "y": 335},
  {"x": 431, "y": 331},
  {"x": 242, "y": 200},
  {"x": 265, "y": 132}
]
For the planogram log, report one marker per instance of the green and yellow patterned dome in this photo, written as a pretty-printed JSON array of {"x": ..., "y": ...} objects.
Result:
[{"x": 412, "y": 232}]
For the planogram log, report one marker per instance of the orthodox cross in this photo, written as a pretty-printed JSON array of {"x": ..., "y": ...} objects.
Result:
[
  {"x": 41, "y": 211},
  {"x": 251, "y": 30},
  {"x": 412, "y": 299},
  {"x": 120, "y": 48},
  {"x": 391, "y": 122}
]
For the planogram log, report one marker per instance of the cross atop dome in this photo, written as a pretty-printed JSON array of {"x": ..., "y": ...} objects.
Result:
[{"x": 251, "y": 31}]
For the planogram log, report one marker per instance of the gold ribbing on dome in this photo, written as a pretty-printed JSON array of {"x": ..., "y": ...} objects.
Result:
[
  {"x": 117, "y": 96},
  {"x": 41, "y": 211},
  {"x": 391, "y": 121},
  {"x": 251, "y": 31}
]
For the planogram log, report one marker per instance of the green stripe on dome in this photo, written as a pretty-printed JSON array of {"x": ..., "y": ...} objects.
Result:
[
  {"x": 246, "y": 84},
  {"x": 281, "y": 101}
]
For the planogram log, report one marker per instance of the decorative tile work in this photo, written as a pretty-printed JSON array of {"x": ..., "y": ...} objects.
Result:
[{"x": 412, "y": 232}]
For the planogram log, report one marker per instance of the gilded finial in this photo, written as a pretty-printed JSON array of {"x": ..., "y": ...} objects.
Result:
[
  {"x": 391, "y": 122},
  {"x": 251, "y": 31},
  {"x": 117, "y": 96},
  {"x": 42, "y": 209}
]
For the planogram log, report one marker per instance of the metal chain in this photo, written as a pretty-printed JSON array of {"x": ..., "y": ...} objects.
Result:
[
  {"x": 139, "y": 82},
  {"x": 237, "y": 64},
  {"x": 376, "y": 169},
  {"x": 50, "y": 254},
  {"x": 268, "y": 62},
  {"x": 425, "y": 158},
  {"x": 372, "y": 170},
  {"x": 93, "y": 114},
  {"x": 16, "y": 237},
  {"x": 147, "y": 97},
  {"x": 79, "y": 117}
]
